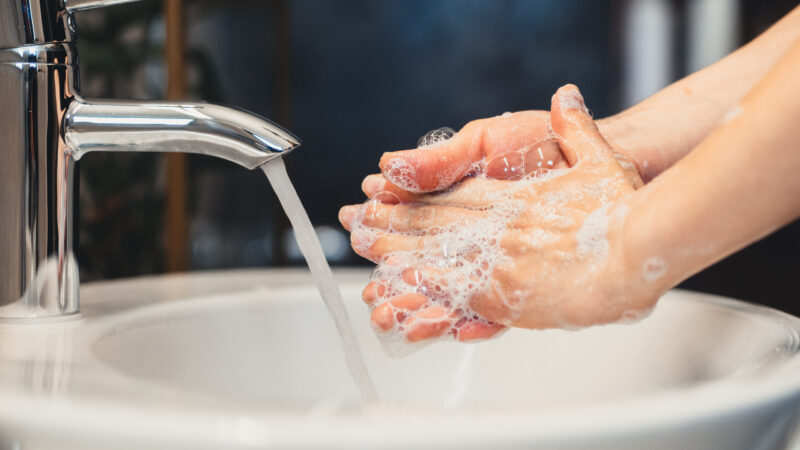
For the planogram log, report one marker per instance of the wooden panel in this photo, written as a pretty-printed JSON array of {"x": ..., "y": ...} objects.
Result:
[{"x": 177, "y": 226}]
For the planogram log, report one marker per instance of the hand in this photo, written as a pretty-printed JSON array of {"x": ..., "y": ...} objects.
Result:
[
  {"x": 508, "y": 146},
  {"x": 537, "y": 252}
]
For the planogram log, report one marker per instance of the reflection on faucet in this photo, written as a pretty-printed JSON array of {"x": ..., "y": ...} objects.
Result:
[
  {"x": 43, "y": 357},
  {"x": 47, "y": 127},
  {"x": 220, "y": 131},
  {"x": 45, "y": 288}
]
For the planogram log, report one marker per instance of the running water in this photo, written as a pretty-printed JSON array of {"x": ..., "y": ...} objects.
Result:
[{"x": 323, "y": 277}]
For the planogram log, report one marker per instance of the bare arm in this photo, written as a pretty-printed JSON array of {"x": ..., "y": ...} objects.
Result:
[
  {"x": 740, "y": 184},
  {"x": 590, "y": 244},
  {"x": 607, "y": 247},
  {"x": 665, "y": 127},
  {"x": 653, "y": 134}
]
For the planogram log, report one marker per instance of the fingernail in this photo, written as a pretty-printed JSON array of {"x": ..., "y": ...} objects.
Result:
[
  {"x": 570, "y": 98},
  {"x": 373, "y": 184},
  {"x": 372, "y": 292},
  {"x": 382, "y": 317},
  {"x": 346, "y": 215},
  {"x": 401, "y": 173},
  {"x": 411, "y": 276}
]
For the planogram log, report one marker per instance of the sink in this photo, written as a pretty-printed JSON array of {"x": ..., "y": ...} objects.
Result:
[{"x": 250, "y": 359}]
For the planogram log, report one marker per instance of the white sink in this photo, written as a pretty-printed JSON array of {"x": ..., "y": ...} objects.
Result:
[{"x": 250, "y": 359}]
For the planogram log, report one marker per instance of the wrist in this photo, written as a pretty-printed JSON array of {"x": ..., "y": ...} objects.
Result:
[
  {"x": 641, "y": 273},
  {"x": 624, "y": 138}
]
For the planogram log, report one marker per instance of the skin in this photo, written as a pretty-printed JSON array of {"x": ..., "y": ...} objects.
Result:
[
  {"x": 653, "y": 134},
  {"x": 552, "y": 270},
  {"x": 697, "y": 200},
  {"x": 665, "y": 127},
  {"x": 739, "y": 185}
]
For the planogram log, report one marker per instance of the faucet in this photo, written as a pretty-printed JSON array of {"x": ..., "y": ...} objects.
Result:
[{"x": 45, "y": 129}]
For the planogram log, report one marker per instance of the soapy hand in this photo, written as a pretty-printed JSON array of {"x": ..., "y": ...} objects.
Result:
[
  {"x": 525, "y": 241},
  {"x": 508, "y": 146}
]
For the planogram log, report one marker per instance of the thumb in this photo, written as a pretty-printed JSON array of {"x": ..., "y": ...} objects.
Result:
[
  {"x": 577, "y": 133},
  {"x": 437, "y": 167}
]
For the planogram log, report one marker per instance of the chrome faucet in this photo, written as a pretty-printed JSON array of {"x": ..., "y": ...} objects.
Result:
[{"x": 46, "y": 127}]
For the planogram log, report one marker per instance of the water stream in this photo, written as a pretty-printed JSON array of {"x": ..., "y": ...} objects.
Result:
[{"x": 323, "y": 277}]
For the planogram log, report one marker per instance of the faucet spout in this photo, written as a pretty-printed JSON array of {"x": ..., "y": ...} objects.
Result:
[
  {"x": 190, "y": 127},
  {"x": 46, "y": 127}
]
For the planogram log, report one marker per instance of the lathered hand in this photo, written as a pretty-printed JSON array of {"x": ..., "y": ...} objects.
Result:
[
  {"x": 508, "y": 146},
  {"x": 537, "y": 251}
]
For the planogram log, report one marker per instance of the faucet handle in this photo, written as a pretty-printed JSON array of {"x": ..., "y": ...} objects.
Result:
[
  {"x": 81, "y": 5},
  {"x": 36, "y": 22}
]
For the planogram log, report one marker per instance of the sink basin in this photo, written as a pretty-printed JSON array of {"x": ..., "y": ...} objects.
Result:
[{"x": 250, "y": 359}]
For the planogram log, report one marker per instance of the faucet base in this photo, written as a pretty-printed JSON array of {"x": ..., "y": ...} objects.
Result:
[{"x": 40, "y": 320}]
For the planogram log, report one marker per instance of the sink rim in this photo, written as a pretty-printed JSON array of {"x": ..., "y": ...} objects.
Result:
[{"x": 233, "y": 427}]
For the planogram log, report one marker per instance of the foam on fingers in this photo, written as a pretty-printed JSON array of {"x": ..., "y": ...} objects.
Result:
[
  {"x": 423, "y": 293},
  {"x": 378, "y": 188},
  {"x": 521, "y": 195},
  {"x": 575, "y": 129},
  {"x": 570, "y": 98},
  {"x": 442, "y": 157}
]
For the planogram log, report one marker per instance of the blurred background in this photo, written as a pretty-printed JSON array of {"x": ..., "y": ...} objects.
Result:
[{"x": 356, "y": 78}]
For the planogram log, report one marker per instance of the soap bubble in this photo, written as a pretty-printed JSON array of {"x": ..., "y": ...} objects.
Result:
[
  {"x": 435, "y": 137},
  {"x": 458, "y": 260},
  {"x": 532, "y": 160},
  {"x": 455, "y": 261},
  {"x": 455, "y": 265}
]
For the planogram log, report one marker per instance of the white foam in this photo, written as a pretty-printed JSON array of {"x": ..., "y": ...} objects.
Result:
[
  {"x": 456, "y": 262},
  {"x": 735, "y": 112},
  {"x": 402, "y": 174},
  {"x": 633, "y": 316},
  {"x": 572, "y": 99},
  {"x": 592, "y": 236},
  {"x": 654, "y": 268},
  {"x": 452, "y": 266},
  {"x": 435, "y": 137}
]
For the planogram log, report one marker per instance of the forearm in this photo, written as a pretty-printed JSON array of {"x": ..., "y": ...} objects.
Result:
[
  {"x": 665, "y": 127},
  {"x": 737, "y": 186}
]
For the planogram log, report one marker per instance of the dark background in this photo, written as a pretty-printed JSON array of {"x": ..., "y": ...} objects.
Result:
[{"x": 364, "y": 77}]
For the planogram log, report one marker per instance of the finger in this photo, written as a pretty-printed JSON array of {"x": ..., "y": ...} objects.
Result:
[
  {"x": 409, "y": 302},
  {"x": 427, "y": 324},
  {"x": 376, "y": 187},
  {"x": 399, "y": 308},
  {"x": 513, "y": 165},
  {"x": 511, "y": 132},
  {"x": 373, "y": 291},
  {"x": 577, "y": 133},
  {"x": 377, "y": 249},
  {"x": 383, "y": 317},
  {"x": 517, "y": 144},
  {"x": 434, "y": 168},
  {"x": 429, "y": 281},
  {"x": 471, "y": 193},
  {"x": 474, "y": 330},
  {"x": 347, "y": 214},
  {"x": 415, "y": 218},
  {"x": 414, "y": 276}
]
